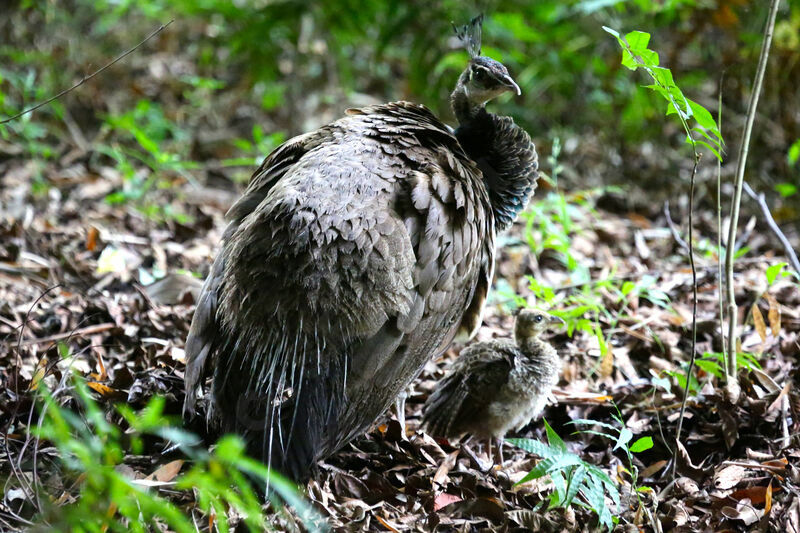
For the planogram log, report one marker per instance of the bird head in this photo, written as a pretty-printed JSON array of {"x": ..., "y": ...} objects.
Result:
[
  {"x": 484, "y": 78},
  {"x": 487, "y": 79},
  {"x": 532, "y": 322}
]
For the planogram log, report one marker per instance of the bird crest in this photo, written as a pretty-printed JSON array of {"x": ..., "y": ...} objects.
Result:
[{"x": 470, "y": 35}]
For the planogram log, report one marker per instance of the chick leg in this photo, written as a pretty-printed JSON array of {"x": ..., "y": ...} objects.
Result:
[
  {"x": 483, "y": 466},
  {"x": 499, "y": 457}
]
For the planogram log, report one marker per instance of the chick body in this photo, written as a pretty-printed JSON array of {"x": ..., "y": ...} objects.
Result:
[{"x": 496, "y": 386}]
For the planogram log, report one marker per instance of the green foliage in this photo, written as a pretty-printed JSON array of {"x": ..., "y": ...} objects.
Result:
[
  {"x": 786, "y": 189},
  {"x": 773, "y": 271},
  {"x": 91, "y": 450},
  {"x": 794, "y": 152},
  {"x": 711, "y": 365},
  {"x": 636, "y": 54},
  {"x": 574, "y": 480}
]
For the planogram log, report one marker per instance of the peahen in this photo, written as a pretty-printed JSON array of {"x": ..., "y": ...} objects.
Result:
[
  {"x": 358, "y": 252},
  {"x": 498, "y": 385}
]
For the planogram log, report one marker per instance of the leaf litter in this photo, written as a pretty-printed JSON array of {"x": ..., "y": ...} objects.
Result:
[{"x": 117, "y": 290}]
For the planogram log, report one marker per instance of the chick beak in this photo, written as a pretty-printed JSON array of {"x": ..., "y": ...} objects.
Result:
[
  {"x": 510, "y": 83},
  {"x": 557, "y": 320}
]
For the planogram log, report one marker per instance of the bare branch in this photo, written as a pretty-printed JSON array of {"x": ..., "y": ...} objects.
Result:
[
  {"x": 787, "y": 246},
  {"x": 86, "y": 78}
]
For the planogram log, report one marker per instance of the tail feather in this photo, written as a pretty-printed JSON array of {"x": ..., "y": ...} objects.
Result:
[
  {"x": 442, "y": 408},
  {"x": 288, "y": 413}
]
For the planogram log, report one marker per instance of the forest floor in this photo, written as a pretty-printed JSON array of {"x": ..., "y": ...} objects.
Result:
[{"x": 114, "y": 287}]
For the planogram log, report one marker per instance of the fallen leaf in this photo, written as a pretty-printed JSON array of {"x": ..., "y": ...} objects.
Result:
[
  {"x": 385, "y": 523},
  {"x": 653, "y": 468},
  {"x": 445, "y": 467},
  {"x": 768, "y": 498},
  {"x": 91, "y": 238},
  {"x": 758, "y": 322},
  {"x": 729, "y": 477},
  {"x": 744, "y": 511},
  {"x": 756, "y": 494},
  {"x": 103, "y": 390},
  {"x": 607, "y": 363},
  {"x": 167, "y": 472},
  {"x": 774, "y": 314},
  {"x": 444, "y": 499}
]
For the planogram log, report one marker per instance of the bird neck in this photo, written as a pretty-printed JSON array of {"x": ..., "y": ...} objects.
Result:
[
  {"x": 502, "y": 150},
  {"x": 526, "y": 342},
  {"x": 465, "y": 110}
]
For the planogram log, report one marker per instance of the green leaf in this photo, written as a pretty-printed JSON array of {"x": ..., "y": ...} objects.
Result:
[
  {"x": 664, "y": 383},
  {"x": 703, "y": 117},
  {"x": 641, "y": 444},
  {"x": 794, "y": 152},
  {"x": 638, "y": 40},
  {"x": 575, "y": 484},
  {"x": 786, "y": 189},
  {"x": 625, "y": 435},
  {"x": 773, "y": 271},
  {"x": 710, "y": 148},
  {"x": 710, "y": 367},
  {"x": 553, "y": 438},
  {"x": 532, "y": 446}
]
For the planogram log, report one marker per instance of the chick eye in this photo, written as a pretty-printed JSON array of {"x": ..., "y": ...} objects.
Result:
[{"x": 538, "y": 318}]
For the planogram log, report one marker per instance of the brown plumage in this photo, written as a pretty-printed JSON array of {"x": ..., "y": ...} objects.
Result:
[
  {"x": 357, "y": 252},
  {"x": 496, "y": 386}
]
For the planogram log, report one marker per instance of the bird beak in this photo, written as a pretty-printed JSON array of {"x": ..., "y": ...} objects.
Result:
[
  {"x": 557, "y": 319},
  {"x": 510, "y": 83}
]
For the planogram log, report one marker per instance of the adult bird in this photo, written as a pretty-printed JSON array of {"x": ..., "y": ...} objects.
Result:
[{"x": 357, "y": 252}]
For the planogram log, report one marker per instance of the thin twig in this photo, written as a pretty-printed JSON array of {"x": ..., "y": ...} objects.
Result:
[
  {"x": 720, "y": 280},
  {"x": 732, "y": 383},
  {"x": 88, "y": 330},
  {"x": 87, "y": 78},
  {"x": 787, "y": 246},
  {"x": 693, "y": 353},
  {"x": 676, "y": 234}
]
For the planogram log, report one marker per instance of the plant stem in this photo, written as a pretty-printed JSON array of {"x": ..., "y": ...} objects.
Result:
[
  {"x": 719, "y": 239},
  {"x": 692, "y": 354},
  {"x": 737, "y": 198}
]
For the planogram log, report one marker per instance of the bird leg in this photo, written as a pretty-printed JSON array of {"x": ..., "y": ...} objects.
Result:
[
  {"x": 484, "y": 466},
  {"x": 499, "y": 458},
  {"x": 400, "y": 412}
]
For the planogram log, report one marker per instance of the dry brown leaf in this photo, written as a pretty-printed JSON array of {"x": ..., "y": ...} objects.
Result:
[
  {"x": 103, "y": 390},
  {"x": 112, "y": 510},
  {"x": 729, "y": 477},
  {"x": 91, "y": 238},
  {"x": 653, "y": 468},
  {"x": 167, "y": 472},
  {"x": 758, "y": 322},
  {"x": 743, "y": 511},
  {"x": 444, "y": 499},
  {"x": 445, "y": 467},
  {"x": 768, "y": 498},
  {"x": 756, "y": 494},
  {"x": 607, "y": 363},
  {"x": 385, "y": 523},
  {"x": 774, "y": 314}
]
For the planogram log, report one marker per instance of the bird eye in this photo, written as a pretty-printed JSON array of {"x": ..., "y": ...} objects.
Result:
[
  {"x": 480, "y": 73},
  {"x": 538, "y": 318}
]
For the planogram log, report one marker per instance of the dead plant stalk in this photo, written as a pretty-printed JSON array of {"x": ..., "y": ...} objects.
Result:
[{"x": 732, "y": 383}]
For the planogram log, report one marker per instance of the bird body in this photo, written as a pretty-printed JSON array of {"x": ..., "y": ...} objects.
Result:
[
  {"x": 496, "y": 386},
  {"x": 357, "y": 252}
]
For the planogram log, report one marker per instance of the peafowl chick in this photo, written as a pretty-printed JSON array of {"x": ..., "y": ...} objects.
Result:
[{"x": 498, "y": 385}]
